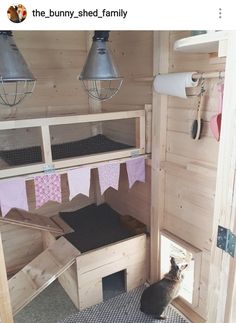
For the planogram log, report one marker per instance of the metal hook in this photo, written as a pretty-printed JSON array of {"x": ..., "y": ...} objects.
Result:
[{"x": 202, "y": 88}]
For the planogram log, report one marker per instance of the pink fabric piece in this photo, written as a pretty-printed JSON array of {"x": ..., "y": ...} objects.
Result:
[
  {"x": 79, "y": 181},
  {"x": 109, "y": 176},
  {"x": 13, "y": 194},
  {"x": 136, "y": 170},
  {"x": 47, "y": 188}
]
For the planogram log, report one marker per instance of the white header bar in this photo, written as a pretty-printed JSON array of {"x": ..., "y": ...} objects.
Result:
[{"x": 120, "y": 15}]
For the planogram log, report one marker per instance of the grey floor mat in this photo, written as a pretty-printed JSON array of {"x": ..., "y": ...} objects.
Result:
[{"x": 122, "y": 309}]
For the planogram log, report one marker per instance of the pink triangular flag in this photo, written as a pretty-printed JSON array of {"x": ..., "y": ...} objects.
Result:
[
  {"x": 13, "y": 194},
  {"x": 109, "y": 176},
  {"x": 47, "y": 188},
  {"x": 136, "y": 170},
  {"x": 79, "y": 181}
]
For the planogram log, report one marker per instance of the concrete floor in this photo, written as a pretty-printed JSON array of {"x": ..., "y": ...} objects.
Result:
[{"x": 53, "y": 304}]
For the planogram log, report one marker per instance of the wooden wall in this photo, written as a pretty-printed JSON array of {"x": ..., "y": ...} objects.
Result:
[
  {"x": 191, "y": 165},
  {"x": 56, "y": 59},
  {"x": 20, "y": 245},
  {"x": 133, "y": 53},
  {"x": 135, "y": 201}
]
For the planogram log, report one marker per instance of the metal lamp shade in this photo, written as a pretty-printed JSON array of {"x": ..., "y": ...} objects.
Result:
[
  {"x": 99, "y": 64},
  {"x": 100, "y": 75},
  {"x": 16, "y": 80}
]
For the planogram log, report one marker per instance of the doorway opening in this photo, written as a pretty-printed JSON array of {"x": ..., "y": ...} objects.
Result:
[
  {"x": 113, "y": 285},
  {"x": 183, "y": 253}
]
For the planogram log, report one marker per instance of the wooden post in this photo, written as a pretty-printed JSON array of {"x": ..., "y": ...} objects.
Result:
[
  {"x": 95, "y": 106},
  {"x": 159, "y": 120},
  {"x": 222, "y": 268},
  {"x": 140, "y": 133},
  {"x": 148, "y": 128},
  {"x": 47, "y": 152},
  {"x": 5, "y": 302}
]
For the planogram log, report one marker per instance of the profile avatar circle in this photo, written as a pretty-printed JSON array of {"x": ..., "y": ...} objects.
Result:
[{"x": 17, "y": 13}]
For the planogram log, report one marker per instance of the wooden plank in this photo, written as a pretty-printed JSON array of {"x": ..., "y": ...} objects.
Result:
[
  {"x": 92, "y": 266},
  {"x": 28, "y": 123},
  {"x": 220, "y": 290},
  {"x": 202, "y": 168},
  {"x": 142, "y": 133},
  {"x": 148, "y": 126},
  {"x": 68, "y": 279},
  {"x": 41, "y": 272},
  {"x": 20, "y": 244},
  {"x": 31, "y": 220},
  {"x": 62, "y": 224},
  {"x": 5, "y": 302},
  {"x": 69, "y": 282},
  {"x": 111, "y": 253},
  {"x": 188, "y": 312},
  {"x": 205, "y": 43},
  {"x": 94, "y": 161},
  {"x": 47, "y": 151},
  {"x": 184, "y": 145},
  {"x": 159, "y": 124},
  {"x": 189, "y": 232},
  {"x": 95, "y": 106},
  {"x": 135, "y": 201}
]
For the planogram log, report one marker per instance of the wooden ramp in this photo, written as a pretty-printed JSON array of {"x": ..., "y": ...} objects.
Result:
[
  {"x": 31, "y": 220},
  {"x": 41, "y": 272}
]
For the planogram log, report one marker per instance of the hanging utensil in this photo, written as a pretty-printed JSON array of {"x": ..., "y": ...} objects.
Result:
[
  {"x": 215, "y": 122},
  {"x": 198, "y": 122}
]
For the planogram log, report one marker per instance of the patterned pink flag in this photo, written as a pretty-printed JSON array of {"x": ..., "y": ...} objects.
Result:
[
  {"x": 79, "y": 181},
  {"x": 109, "y": 176},
  {"x": 13, "y": 194},
  {"x": 136, "y": 170},
  {"x": 47, "y": 188}
]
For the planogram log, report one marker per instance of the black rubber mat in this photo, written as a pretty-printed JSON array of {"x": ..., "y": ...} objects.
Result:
[
  {"x": 95, "y": 226},
  {"x": 93, "y": 145}
]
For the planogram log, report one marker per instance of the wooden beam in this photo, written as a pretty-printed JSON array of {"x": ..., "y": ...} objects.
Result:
[
  {"x": 47, "y": 151},
  {"x": 31, "y": 220},
  {"x": 95, "y": 106},
  {"x": 54, "y": 121},
  {"x": 148, "y": 128},
  {"x": 93, "y": 160},
  {"x": 5, "y": 302},
  {"x": 159, "y": 124},
  {"x": 222, "y": 267}
]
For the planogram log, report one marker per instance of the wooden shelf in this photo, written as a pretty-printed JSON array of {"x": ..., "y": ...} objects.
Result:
[{"x": 204, "y": 43}]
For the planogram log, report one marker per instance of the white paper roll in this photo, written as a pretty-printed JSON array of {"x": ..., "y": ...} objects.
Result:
[{"x": 174, "y": 83}]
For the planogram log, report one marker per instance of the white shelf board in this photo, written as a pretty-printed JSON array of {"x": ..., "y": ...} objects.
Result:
[{"x": 204, "y": 43}]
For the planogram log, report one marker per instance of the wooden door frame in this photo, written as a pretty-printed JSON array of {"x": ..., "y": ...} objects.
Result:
[{"x": 222, "y": 285}]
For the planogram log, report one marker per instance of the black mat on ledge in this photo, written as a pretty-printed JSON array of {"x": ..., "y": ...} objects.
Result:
[
  {"x": 95, "y": 226},
  {"x": 93, "y": 145}
]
